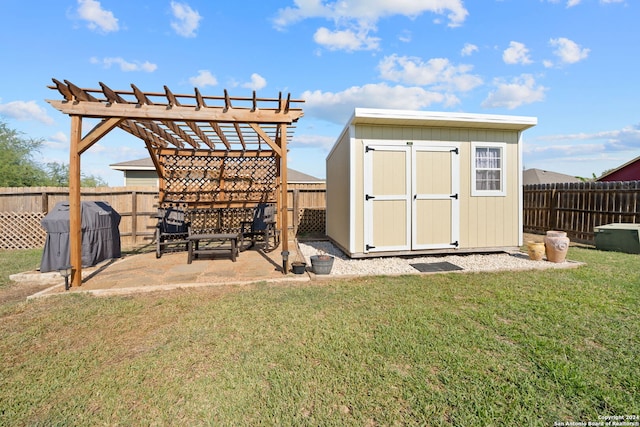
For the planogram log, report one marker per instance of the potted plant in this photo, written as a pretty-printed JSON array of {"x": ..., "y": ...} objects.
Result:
[{"x": 321, "y": 263}]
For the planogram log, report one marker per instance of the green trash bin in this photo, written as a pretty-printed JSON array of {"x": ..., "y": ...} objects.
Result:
[{"x": 618, "y": 237}]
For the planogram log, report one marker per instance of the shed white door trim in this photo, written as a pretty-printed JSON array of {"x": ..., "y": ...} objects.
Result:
[
  {"x": 412, "y": 196},
  {"x": 387, "y": 205}
]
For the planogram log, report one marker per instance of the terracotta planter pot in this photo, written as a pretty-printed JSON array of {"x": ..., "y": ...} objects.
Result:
[
  {"x": 536, "y": 250},
  {"x": 557, "y": 245}
]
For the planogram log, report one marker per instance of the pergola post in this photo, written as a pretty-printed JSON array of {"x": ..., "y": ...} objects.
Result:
[
  {"x": 284, "y": 214},
  {"x": 75, "y": 215}
]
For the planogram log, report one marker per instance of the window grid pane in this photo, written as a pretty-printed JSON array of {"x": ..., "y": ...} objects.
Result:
[{"x": 488, "y": 168}]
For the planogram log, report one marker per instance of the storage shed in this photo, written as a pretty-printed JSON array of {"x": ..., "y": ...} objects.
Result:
[{"x": 410, "y": 182}]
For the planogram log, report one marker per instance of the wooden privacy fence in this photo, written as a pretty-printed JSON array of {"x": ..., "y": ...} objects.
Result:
[
  {"x": 579, "y": 207},
  {"x": 575, "y": 208},
  {"x": 22, "y": 209}
]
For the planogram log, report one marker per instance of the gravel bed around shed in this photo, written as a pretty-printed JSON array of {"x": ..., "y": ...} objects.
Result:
[{"x": 345, "y": 266}]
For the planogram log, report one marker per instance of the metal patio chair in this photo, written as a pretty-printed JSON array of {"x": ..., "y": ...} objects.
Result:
[
  {"x": 261, "y": 228},
  {"x": 172, "y": 230}
]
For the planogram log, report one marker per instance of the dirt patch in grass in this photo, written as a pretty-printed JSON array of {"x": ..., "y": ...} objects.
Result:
[{"x": 20, "y": 291}]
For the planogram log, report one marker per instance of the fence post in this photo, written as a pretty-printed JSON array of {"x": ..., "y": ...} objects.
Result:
[
  {"x": 553, "y": 208},
  {"x": 45, "y": 202},
  {"x": 296, "y": 211},
  {"x": 134, "y": 217}
]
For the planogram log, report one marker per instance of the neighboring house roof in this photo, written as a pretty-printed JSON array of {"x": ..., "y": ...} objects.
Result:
[
  {"x": 297, "y": 176},
  {"x": 629, "y": 171},
  {"x": 146, "y": 164},
  {"x": 539, "y": 176}
]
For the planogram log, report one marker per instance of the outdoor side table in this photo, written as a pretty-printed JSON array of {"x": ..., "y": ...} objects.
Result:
[{"x": 226, "y": 242}]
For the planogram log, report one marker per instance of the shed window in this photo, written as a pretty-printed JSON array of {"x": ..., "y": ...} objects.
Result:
[{"x": 488, "y": 169}]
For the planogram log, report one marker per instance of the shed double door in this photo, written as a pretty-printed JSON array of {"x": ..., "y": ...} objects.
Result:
[{"x": 412, "y": 199}]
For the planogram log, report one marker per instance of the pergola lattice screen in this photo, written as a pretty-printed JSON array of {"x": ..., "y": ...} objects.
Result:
[{"x": 208, "y": 181}]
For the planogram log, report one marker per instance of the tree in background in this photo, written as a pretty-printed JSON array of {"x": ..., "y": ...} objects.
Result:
[
  {"x": 19, "y": 169},
  {"x": 58, "y": 176}
]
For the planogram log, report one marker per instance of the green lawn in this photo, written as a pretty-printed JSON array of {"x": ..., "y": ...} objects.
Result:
[
  {"x": 12, "y": 262},
  {"x": 514, "y": 348}
]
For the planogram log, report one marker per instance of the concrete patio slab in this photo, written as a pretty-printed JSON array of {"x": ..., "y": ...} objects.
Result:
[{"x": 145, "y": 273}]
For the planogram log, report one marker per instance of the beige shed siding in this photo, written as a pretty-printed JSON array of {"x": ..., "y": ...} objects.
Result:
[
  {"x": 491, "y": 221},
  {"x": 338, "y": 197},
  {"x": 485, "y": 222}
]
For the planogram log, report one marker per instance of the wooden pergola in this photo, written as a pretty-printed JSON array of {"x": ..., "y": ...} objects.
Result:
[{"x": 209, "y": 151}]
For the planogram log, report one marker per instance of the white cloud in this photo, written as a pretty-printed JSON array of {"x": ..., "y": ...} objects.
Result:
[
  {"x": 97, "y": 17},
  {"x": 345, "y": 40},
  {"x": 25, "y": 111},
  {"x": 57, "y": 141},
  {"x": 602, "y": 150},
  {"x": 186, "y": 20},
  {"x": 614, "y": 140},
  {"x": 356, "y": 18},
  {"x": 203, "y": 79},
  {"x": 405, "y": 37},
  {"x": 257, "y": 82},
  {"x": 572, "y": 3},
  {"x": 437, "y": 72},
  {"x": 310, "y": 141},
  {"x": 468, "y": 49},
  {"x": 370, "y": 10},
  {"x": 521, "y": 90},
  {"x": 59, "y": 137},
  {"x": 124, "y": 65},
  {"x": 338, "y": 107},
  {"x": 516, "y": 53},
  {"x": 568, "y": 51}
]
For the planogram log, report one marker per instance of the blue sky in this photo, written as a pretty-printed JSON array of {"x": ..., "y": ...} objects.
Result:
[{"x": 573, "y": 64}]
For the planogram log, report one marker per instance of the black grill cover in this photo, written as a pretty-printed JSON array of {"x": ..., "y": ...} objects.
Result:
[{"x": 100, "y": 235}]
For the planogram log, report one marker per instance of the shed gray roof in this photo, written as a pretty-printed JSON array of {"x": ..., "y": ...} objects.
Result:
[
  {"x": 147, "y": 164},
  {"x": 539, "y": 176}
]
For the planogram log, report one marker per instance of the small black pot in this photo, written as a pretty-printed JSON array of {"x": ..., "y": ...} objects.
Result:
[{"x": 298, "y": 267}]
